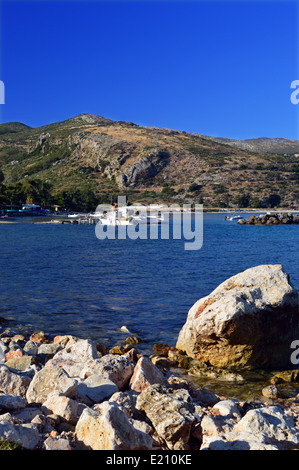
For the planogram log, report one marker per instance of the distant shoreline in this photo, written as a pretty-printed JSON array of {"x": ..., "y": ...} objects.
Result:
[{"x": 38, "y": 219}]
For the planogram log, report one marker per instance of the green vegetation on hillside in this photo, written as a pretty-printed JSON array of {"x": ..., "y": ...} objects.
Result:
[{"x": 87, "y": 160}]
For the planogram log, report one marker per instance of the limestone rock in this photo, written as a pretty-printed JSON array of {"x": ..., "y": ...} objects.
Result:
[
  {"x": 228, "y": 408},
  {"x": 21, "y": 363},
  {"x": 271, "y": 391},
  {"x": 235, "y": 441},
  {"x": 170, "y": 412},
  {"x": 126, "y": 402},
  {"x": 145, "y": 374},
  {"x": 12, "y": 383},
  {"x": 24, "y": 434},
  {"x": 249, "y": 321},
  {"x": 108, "y": 428},
  {"x": 66, "y": 408},
  {"x": 118, "y": 369},
  {"x": 52, "y": 443},
  {"x": 278, "y": 428},
  {"x": 74, "y": 356},
  {"x": 11, "y": 402},
  {"x": 77, "y": 352},
  {"x": 216, "y": 425},
  {"x": 49, "y": 380},
  {"x": 96, "y": 389}
]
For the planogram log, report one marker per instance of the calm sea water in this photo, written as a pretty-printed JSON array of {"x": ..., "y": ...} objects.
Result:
[{"x": 63, "y": 280}]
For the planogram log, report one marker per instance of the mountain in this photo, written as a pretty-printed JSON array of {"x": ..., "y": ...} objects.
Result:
[
  {"x": 148, "y": 164},
  {"x": 278, "y": 145}
]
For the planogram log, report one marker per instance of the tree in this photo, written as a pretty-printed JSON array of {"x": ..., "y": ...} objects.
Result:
[
  {"x": 43, "y": 196},
  {"x": 30, "y": 192},
  {"x": 273, "y": 200},
  {"x": 242, "y": 200}
]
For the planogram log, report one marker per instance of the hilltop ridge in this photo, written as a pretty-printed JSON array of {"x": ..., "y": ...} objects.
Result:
[{"x": 149, "y": 164}]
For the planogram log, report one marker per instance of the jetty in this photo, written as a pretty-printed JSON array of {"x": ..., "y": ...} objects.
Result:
[
  {"x": 69, "y": 220},
  {"x": 271, "y": 218}
]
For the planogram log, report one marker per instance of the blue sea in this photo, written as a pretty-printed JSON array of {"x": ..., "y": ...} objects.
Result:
[{"x": 62, "y": 279}]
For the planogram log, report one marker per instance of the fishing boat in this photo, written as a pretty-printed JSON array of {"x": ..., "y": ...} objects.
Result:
[
  {"x": 233, "y": 217},
  {"x": 116, "y": 218}
]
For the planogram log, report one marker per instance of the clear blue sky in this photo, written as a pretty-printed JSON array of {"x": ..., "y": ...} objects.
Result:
[{"x": 217, "y": 68}]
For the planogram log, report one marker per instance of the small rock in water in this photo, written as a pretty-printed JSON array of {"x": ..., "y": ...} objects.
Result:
[
  {"x": 270, "y": 392},
  {"x": 125, "y": 329},
  {"x": 132, "y": 340}
]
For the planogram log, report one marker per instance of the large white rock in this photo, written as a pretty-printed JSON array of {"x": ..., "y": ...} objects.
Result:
[
  {"x": 47, "y": 381},
  {"x": 24, "y": 434},
  {"x": 108, "y": 428},
  {"x": 12, "y": 383},
  {"x": 74, "y": 356},
  {"x": 271, "y": 423},
  {"x": 235, "y": 441},
  {"x": 95, "y": 389},
  {"x": 248, "y": 321},
  {"x": 117, "y": 368},
  {"x": 65, "y": 407},
  {"x": 11, "y": 402}
]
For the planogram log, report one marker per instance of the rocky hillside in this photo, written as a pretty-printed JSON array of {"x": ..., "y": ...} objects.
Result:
[
  {"x": 148, "y": 164},
  {"x": 279, "y": 145}
]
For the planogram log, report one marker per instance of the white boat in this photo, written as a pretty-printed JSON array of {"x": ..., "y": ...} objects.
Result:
[
  {"x": 234, "y": 217},
  {"x": 74, "y": 216},
  {"x": 148, "y": 218},
  {"x": 96, "y": 215},
  {"x": 114, "y": 218}
]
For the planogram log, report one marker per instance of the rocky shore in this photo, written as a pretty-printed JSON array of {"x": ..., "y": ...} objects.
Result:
[
  {"x": 69, "y": 393},
  {"x": 271, "y": 219}
]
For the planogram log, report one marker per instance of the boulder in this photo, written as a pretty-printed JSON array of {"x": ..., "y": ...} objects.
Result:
[
  {"x": 271, "y": 424},
  {"x": 118, "y": 369},
  {"x": 74, "y": 353},
  {"x": 228, "y": 408},
  {"x": 248, "y": 321},
  {"x": 108, "y": 428},
  {"x": 13, "y": 383},
  {"x": 11, "y": 402},
  {"x": 64, "y": 407},
  {"x": 21, "y": 363},
  {"x": 146, "y": 374},
  {"x": 24, "y": 434},
  {"x": 126, "y": 402},
  {"x": 49, "y": 380},
  {"x": 74, "y": 356},
  {"x": 95, "y": 389},
  {"x": 235, "y": 441},
  {"x": 171, "y": 413}
]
